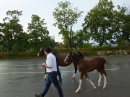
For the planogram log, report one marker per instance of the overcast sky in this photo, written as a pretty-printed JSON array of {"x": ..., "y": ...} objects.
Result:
[{"x": 45, "y": 8}]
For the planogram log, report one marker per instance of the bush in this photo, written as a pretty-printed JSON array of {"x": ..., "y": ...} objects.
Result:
[
  {"x": 105, "y": 50},
  {"x": 19, "y": 55}
]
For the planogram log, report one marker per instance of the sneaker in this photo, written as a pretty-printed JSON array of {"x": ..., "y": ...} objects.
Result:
[{"x": 37, "y": 95}]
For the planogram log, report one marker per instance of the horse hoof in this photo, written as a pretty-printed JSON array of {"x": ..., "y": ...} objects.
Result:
[
  {"x": 76, "y": 91},
  {"x": 72, "y": 77},
  {"x": 94, "y": 88},
  {"x": 104, "y": 87}
]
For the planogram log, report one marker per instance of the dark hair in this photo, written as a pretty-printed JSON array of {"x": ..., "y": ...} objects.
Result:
[{"x": 48, "y": 49}]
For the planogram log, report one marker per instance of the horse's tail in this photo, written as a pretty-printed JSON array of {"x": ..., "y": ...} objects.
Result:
[{"x": 106, "y": 63}]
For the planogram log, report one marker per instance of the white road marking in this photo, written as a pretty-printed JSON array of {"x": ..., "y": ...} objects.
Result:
[
  {"x": 4, "y": 73},
  {"x": 113, "y": 69},
  {"x": 20, "y": 65},
  {"x": 33, "y": 62},
  {"x": 30, "y": 68}
]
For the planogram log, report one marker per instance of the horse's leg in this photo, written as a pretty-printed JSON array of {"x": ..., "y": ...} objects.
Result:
[
  {"x": 99, "y": 80},
  {"x": 45, "y": 74},
  {"x": 86, "y": 75},
  {"x": 58, "y": 73},
  {"x": 80, "y": 83},
  {"x": 105, "y": 81},
  {"x": 75, "y": 67}
]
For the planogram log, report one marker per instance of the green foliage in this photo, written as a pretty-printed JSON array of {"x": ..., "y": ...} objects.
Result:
[
  {"x": 79, "y": 39},
  {"x": 124, "y": 31},
  {"x": 86, "y": 45},
  {"x": 122, "y": 42},
  {"x": 19, "y": 55},
  {"x": 10, "y": 30},
  {"x": 65, "y": 18},
  {"x": 91, "y": 51},
  {"x": 63, "y": 50},
  {"x": 3, "y": 55},
  {"x": 22, "y": 44},
  {"x": 38, "y": 34},
  {"x": 101, "y": 22}
]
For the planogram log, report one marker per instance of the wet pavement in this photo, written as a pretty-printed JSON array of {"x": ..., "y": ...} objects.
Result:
[{"x": 24, "y": 78}]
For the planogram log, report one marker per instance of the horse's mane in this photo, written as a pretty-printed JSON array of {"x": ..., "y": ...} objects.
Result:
[
  {"x": 81, "y": 55},
  {"x": 76, "y": 56},
  {"x": 55, "y": 53}
]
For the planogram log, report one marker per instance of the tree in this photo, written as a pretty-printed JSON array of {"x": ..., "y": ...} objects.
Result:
[
  {"x": 10, "y": 29},
  {"x": 80, "y": 38},
  {"x": 122, "y": 24},
  {"x": 39, "y": 35},
  {"x": 22, "y": 45},
  {"x": 126, "y": 28},
  {"x": 99, "y": 22},
  {"x": 65, "y": 18}
]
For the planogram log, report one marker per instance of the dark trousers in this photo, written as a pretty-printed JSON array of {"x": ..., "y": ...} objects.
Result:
[
  {"x": 52, "y": 78},
  {"x": 58, "y": 73}
]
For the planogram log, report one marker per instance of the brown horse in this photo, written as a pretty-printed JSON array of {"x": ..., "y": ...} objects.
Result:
[
  {"x": 85, "y": 66},
  {"x": 60, "y": 60}
]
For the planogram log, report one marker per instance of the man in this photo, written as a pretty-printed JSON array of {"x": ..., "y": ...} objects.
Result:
[{"x": 51, "y": 69}]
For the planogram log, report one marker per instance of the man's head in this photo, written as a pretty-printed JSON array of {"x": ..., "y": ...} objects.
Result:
[{"x": 47, "y": 50}]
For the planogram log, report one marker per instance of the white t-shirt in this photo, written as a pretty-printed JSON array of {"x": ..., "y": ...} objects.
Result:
[{"x": 51, "y": 62}]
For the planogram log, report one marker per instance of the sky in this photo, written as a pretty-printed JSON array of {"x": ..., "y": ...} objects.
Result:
[{"x": 44, "y": 9}]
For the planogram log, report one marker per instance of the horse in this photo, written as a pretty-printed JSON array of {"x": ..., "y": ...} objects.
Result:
[
  {"x": 88, "y": 65},
  {"x": 60, "y": 61}
]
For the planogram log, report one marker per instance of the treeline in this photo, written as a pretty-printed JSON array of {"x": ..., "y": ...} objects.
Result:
[
  {"x": 14, "y": 39},
  {"x": 103, "y": 23}
]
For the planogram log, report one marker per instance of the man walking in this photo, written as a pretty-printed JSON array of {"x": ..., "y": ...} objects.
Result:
[{"x": 51, "y": 69}]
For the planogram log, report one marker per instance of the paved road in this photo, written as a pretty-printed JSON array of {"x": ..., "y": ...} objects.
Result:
[{"x": 24, "y": 78}]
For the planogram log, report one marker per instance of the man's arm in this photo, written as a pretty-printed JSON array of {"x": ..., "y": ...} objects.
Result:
[{"x": 45, "y": 65}]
